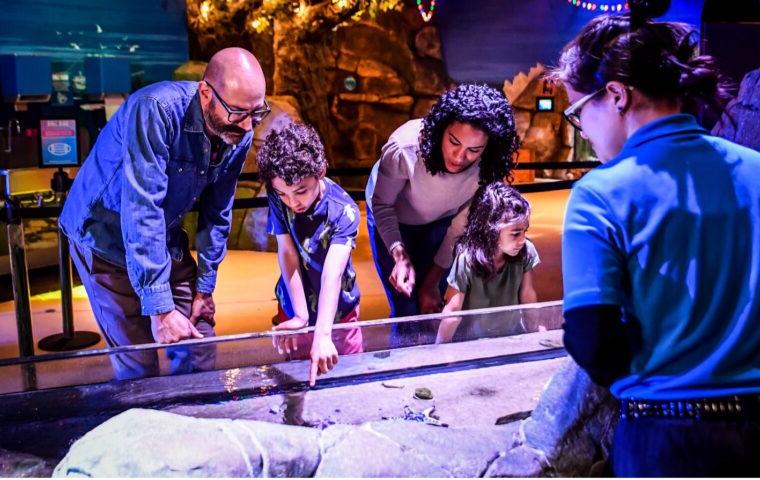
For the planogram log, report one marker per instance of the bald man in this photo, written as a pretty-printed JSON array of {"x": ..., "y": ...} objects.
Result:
[{"x": 170, "y": 146}]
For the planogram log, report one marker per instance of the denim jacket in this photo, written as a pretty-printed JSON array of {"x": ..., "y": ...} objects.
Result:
[{"x": 148, "y": 167}]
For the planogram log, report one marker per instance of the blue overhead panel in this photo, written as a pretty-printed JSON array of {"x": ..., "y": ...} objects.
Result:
[
  {"x": 150, "y": 34},
  {"x": 493, "y": 40}
]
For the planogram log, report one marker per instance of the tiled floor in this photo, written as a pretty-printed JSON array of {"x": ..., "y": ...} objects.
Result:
[{"x": 244, "y": 296}]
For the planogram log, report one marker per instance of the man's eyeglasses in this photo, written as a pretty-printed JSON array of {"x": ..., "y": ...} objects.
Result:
[
  {"x": 573, "y": 112},
  {"x": 237, "y": 116}
]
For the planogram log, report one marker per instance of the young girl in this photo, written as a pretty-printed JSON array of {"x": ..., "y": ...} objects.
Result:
[{"x": 494, "y": 259}]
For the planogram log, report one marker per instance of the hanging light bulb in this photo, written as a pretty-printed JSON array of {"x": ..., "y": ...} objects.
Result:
[{"x": 205, "y": 10}]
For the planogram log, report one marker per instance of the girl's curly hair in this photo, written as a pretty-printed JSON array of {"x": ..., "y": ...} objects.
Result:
[
  {"x": 493, "y": 206},
  {"x": 482, "y": 107},
  {"x": 291, "y": 153}
]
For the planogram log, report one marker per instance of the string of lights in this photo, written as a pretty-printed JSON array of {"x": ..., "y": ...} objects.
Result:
[
  {"x": 595, "y": 7},
  {"x": 426, "y": 14}
]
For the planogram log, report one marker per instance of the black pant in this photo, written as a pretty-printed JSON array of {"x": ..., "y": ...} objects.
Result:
[{"x": 664, "y": 447}]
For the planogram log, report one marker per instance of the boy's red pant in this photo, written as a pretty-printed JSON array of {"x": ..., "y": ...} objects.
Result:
[{"x": 347, "y": 341}]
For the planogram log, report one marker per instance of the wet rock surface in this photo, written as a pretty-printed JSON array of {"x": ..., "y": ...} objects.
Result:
[
  {"x": 153, "y": 443},
  {"x": 568, "y": 434},
  {"x": 22, "y": 465}
]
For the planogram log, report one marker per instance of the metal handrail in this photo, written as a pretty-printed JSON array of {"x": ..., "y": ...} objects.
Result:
[{"x": 269, "y": 333}]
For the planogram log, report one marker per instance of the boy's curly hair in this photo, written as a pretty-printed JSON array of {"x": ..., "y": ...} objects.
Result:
[
  {"x": 493, "y": 206},
  {"x": 291, "y": 153},
  {"x": 482, "y": 107}
]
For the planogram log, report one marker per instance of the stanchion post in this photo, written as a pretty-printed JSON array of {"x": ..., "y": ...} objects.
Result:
[
  {"x": 69, "y": 339},
  {"x": 19, "y": 277},
  {"x": 67, "y": 304}
]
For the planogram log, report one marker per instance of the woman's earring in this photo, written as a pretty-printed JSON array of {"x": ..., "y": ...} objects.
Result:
[{"x": 620, "y": 111}]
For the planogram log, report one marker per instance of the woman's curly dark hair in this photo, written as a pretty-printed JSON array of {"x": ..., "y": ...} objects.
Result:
[
  {"x": 484, "y": 108},
  {"x": 292, "y": 153},
  {"x": 493, "y": 206}
]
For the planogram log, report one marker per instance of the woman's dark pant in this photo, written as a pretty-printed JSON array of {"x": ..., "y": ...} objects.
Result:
[
  {"x": 664, "y": 447},
  {"x": 421, "y": 243}
]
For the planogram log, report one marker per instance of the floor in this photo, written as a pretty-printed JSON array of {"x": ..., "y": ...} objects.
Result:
[{"x": 244, "y": 296}]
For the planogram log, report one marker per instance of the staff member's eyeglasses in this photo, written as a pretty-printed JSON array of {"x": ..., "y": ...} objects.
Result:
[
  {"x": 236, "y": 116},
  {"x": 573, "y": 112}
]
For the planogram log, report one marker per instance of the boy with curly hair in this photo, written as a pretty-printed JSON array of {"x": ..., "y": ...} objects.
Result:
[{"x": 316, "y": 224}]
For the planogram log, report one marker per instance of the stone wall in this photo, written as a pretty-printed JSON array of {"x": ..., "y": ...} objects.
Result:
[
  {"x": 545, "y": 135},
  {"x": 740, "y": 122}
]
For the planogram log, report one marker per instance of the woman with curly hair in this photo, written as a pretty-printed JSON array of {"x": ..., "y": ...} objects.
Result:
[
  {"x": 494, "y": 262},
  {"x": 418, "y": 192},
  {"x": 661, "y": 250}
]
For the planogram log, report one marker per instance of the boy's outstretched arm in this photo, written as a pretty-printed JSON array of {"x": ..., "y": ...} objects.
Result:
[
  {"x": 287, "y": 257},
  {"x": 448, "y": 327},
  {"x": 324, "y": 355}
]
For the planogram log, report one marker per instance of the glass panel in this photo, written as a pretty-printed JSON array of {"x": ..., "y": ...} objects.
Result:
[
  {"x": 479, "y": 335},
  {"x": 51, "y": 401}
]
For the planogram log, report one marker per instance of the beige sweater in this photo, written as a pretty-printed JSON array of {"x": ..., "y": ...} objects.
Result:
[{"x": 401, "y": 190}]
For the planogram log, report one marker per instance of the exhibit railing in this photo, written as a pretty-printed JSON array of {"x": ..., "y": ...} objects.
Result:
[{"x": 250, "y": 364}]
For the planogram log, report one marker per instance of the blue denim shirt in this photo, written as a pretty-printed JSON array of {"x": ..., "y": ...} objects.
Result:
[{"x": 150, "y": 164}]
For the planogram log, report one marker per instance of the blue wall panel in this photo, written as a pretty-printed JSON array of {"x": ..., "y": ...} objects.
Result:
[
  {"x": 152, "y": 34},
  {"x": 493, "y": 40}
]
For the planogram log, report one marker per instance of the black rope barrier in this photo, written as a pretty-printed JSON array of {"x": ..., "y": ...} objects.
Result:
[
  {"x": 262, "y": 202},
  {"x": 364, "y": 171},
  {"x": 356, "y": 195}
]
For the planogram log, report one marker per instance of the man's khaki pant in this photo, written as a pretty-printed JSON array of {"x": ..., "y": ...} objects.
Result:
[{"x": 116, "y": 307}]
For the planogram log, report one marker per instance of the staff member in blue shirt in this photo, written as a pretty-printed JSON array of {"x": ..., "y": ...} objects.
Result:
[
  {"x": 661, "y": 251},
  {"x": 172, "y": 144}
]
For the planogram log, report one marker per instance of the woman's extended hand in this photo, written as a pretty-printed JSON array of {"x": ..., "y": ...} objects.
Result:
[{"x": 403, "y": 276}]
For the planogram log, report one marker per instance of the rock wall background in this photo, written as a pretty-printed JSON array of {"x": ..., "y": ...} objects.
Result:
[{"x": 355, "y": 83}]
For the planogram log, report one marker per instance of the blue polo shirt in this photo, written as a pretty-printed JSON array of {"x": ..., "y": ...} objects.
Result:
[{"x": 670, "y": 231}]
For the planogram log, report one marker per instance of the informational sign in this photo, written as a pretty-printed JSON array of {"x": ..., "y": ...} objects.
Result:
[{"x": 58, "y": 138}]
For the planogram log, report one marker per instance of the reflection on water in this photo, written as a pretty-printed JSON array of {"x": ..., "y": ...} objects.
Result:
[{"x": 230, "y": 379}]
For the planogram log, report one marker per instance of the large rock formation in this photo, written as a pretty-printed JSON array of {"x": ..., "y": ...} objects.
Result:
[
  {"x": 741, "y": 121},
  {"x": 568, "y": 434},
  {"x": 545, "y": 135},
  {"x": 355, "y": 83},
  {"x": 148, "y": 443}
]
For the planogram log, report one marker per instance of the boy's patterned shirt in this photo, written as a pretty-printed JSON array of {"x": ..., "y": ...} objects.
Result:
[{"x": 333, "y": 219}]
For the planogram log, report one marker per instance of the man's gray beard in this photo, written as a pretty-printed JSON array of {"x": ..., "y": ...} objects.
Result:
[
  {"x": 227, "y": 137},
  {"x": 230, "y": 138}
]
